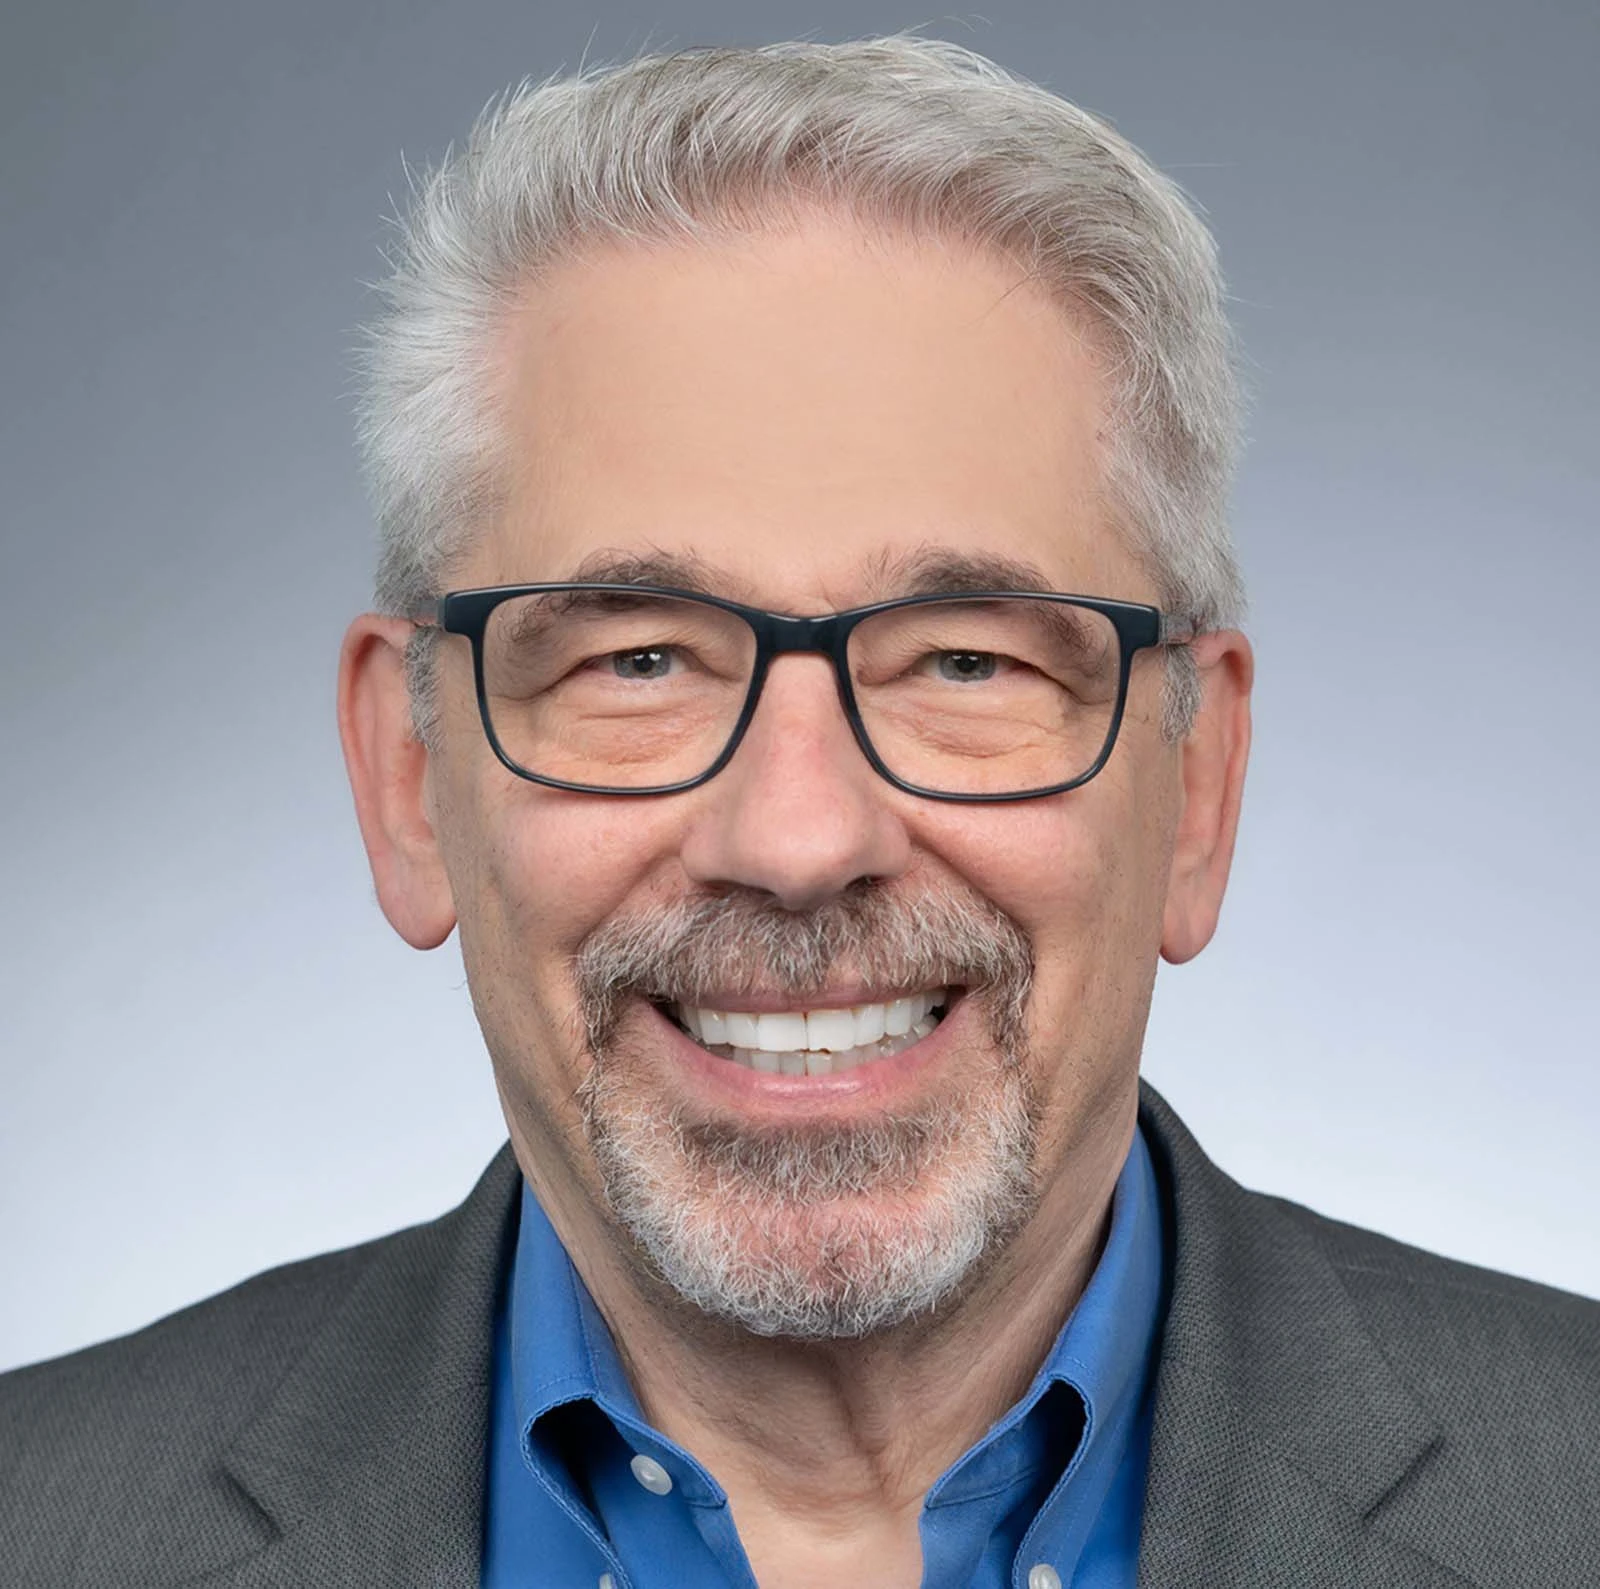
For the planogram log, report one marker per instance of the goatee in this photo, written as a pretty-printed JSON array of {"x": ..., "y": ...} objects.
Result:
[{"x": 823, "y": 1229}]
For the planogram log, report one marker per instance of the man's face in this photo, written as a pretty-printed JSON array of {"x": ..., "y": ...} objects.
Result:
[{"x": 804, "y": 418}]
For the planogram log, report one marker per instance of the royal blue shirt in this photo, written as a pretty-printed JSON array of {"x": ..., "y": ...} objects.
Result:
[{"x": 577, "y": 1479}]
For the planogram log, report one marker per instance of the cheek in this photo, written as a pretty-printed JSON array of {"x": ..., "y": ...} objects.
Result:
[
  {"x": 1085, "y": 876},
  {"x": 1065, "y": 869},
  {"x": 532, "y": 870},
  {"x": 552, "y": 866},
  {"x": 536, "y": 871}
]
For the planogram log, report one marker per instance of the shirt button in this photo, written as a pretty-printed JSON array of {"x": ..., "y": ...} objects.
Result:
[
  {"x": 607, "y": 1581},
  {"x": 1043, "y": 1576},
  {"x": 657, "y": 1480}
]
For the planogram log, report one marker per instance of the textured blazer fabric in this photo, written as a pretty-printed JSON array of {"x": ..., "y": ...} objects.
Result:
[{"x": 1334, "y": 1411}]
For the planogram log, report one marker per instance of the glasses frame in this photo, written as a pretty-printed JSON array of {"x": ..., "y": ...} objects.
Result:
[{"x": 1138, "y": 628}]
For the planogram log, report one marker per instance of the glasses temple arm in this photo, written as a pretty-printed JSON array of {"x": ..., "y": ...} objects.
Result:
[{"x": 1176, "y": 631}]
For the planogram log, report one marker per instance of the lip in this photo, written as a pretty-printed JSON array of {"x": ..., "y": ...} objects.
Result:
[
  {"x": 878, "y": 1084},
  {"x": 845, "y": 996}
]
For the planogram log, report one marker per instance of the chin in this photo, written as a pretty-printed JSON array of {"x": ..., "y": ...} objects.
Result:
[{"x": 817, "y": 1230}]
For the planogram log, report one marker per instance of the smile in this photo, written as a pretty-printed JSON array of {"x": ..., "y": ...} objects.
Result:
[{"x": 819, "y": 1042}]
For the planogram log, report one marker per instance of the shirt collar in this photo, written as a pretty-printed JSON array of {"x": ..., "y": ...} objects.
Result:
[
  {"x": 1103, "y": 1354},
  {"x": 562, "y": 1350}
]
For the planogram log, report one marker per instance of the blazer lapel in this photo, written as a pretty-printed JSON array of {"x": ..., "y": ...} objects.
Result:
[
  {"x": 369, "y": 1460},
  {"x": 1279, "y": 1426}
]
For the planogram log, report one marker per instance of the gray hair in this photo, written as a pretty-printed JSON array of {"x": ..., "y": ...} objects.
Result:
[
  {"x": 699, "y": 1199},
  {"x": 902, "y": 132}
]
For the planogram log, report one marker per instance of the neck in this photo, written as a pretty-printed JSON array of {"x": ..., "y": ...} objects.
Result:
[{"x": 827, "y": 1448}]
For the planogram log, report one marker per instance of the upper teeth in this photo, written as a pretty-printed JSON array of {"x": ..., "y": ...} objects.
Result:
[{"x": 792, "y": 1031}]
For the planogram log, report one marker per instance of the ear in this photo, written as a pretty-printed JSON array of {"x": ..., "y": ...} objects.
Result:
[
  {"x": 388, "y": 768},
  {"x": 1214, "y": 756}
]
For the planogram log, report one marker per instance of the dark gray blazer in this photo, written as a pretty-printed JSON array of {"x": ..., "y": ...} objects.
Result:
[{"x": 1334, "y": 1410}]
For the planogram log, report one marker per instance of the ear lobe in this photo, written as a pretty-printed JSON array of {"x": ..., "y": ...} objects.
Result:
[
  {"x": 388, "y": 769},
  {"x": 1214, "y": 756}
]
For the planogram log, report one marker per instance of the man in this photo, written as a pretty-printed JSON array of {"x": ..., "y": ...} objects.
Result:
[{"x": 806, "y": 674}]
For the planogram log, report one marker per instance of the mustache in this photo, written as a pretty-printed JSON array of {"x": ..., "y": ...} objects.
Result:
[{"x": 741, "y": 942}]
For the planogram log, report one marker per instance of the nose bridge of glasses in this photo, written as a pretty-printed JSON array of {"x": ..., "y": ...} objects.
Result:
[
  {"x": 794, "y": 712},
  {"x": 781, "y": 635},
  {"x": 822, "y": 636}
]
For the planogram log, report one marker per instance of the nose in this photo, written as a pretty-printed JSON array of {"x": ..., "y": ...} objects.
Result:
[{"x": 798, "y": 813}]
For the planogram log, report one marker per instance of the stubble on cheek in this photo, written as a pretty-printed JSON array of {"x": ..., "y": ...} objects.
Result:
[
  {"x": 522, "y": 994},
  {"x": 1089, "y": 1013}
]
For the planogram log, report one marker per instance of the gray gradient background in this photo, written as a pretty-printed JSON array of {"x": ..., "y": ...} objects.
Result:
[{"x": 215, "y": 1056}]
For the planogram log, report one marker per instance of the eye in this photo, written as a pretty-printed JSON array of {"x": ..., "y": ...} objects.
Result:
[
  {"x": 645, "y": 662},
  {"x": 965, "y": 667}
]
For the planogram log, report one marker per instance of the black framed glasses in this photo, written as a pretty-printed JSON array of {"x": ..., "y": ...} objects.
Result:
[{"x": 637, "y": 689}]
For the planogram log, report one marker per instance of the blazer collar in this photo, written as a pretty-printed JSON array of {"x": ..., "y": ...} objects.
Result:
[{"x": 1279, "y": 1426}]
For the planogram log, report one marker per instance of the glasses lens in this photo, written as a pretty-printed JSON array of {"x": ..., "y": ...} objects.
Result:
[
  {"x": 987, "y": 696},
  {"x": 613, "y": 688}
]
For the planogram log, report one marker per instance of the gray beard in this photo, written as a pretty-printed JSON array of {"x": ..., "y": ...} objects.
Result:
[{"x": 820, "y": 1231}]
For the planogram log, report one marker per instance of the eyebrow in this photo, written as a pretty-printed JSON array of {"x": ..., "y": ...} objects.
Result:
[
  {"x": 940, "y": 571},
  {"x": 926, "y": 571},
  {"x": 678, "y": 571}
]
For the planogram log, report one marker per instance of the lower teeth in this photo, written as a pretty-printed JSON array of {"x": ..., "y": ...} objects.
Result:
[{"x": 820, "y": 1062}]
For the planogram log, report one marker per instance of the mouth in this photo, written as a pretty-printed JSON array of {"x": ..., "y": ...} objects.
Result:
[{"x": 822, "y": 1041}]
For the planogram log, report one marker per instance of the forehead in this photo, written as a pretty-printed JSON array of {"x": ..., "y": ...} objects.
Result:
[{"x": 802, "y": 413}]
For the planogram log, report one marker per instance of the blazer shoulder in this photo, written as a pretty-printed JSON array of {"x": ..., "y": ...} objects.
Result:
[
  {"x": 150, "y": 1413},
  {"x": 1372, "y": 1264},
  {"x": 163, "y": 1401},
  {"x": 1505, "y": 1356},
  {"x": 244, "y": 1328},
  {"x": 1442, "y": 1408}
]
